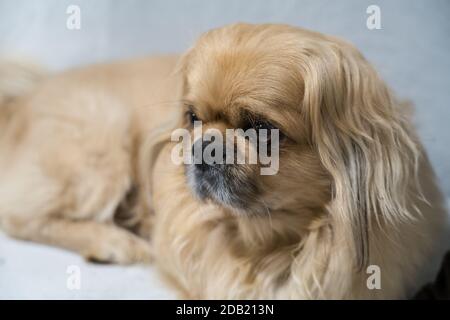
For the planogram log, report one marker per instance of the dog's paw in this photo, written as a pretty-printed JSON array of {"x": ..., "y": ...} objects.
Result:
[{"x": 127, "y": 250}]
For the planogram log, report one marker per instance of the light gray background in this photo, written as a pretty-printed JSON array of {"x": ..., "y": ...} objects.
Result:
[{"x": 411, "y": 51}]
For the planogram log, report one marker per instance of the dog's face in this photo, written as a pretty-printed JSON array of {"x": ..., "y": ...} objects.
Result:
[
  {"x": 344, "y": 149},
  {"x": 236, "y": 79}
]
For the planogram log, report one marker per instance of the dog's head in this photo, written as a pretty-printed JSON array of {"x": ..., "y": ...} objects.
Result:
[{"x": 342, "y": 145}]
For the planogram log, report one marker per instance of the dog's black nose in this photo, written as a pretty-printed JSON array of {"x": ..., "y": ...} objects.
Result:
[
  {"x": 204, "y": 162},
  {"x": 197, "y": 154}
]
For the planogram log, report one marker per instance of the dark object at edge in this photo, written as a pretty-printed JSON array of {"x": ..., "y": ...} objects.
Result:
[{"x": 440, "y": 288}]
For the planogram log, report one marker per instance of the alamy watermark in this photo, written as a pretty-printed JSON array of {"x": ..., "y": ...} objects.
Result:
[
  {"x": 373, "y": 21},
  {"x": 73, "y": 281},
  {"x": 73, "y": 21},
  {"x": 236, "y": 147},
  {"x": 374, "y": 279}
]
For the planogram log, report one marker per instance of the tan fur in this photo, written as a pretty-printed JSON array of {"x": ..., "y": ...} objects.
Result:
[
  {"x": 347, "y": 194},
  {"x": 67, "y": 156}
]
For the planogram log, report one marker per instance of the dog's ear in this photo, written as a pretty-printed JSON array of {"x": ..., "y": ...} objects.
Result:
[
  {"x": 182, "y": 68},
  {"x": 362, "y": 140}
]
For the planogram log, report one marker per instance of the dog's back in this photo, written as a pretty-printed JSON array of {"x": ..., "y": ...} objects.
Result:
[{"x": 68, "y": 151}]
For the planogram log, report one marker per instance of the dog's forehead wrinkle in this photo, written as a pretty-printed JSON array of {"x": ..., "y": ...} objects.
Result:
[
  {"x": 257, "y": 93},
  {"x": 257, "y": 104}
]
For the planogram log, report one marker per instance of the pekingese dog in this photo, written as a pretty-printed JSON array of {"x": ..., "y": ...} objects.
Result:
[{"x": 352, "y": 211}]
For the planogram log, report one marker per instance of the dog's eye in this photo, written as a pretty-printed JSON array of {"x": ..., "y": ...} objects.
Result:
[
  {"x": 191, "y": 116},
  {"x": 265, "y": 125},
  {"x": 258, "y": 125}
]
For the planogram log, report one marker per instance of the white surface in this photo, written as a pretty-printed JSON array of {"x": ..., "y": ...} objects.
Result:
[{"x": 33, "y": 271}]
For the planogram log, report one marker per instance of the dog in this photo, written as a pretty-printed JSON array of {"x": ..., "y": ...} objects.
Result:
[{"x": 354, "y": 190}]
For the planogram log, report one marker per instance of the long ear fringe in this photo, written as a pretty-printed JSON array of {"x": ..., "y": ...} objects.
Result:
[{"x": 363, "y": 142}]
